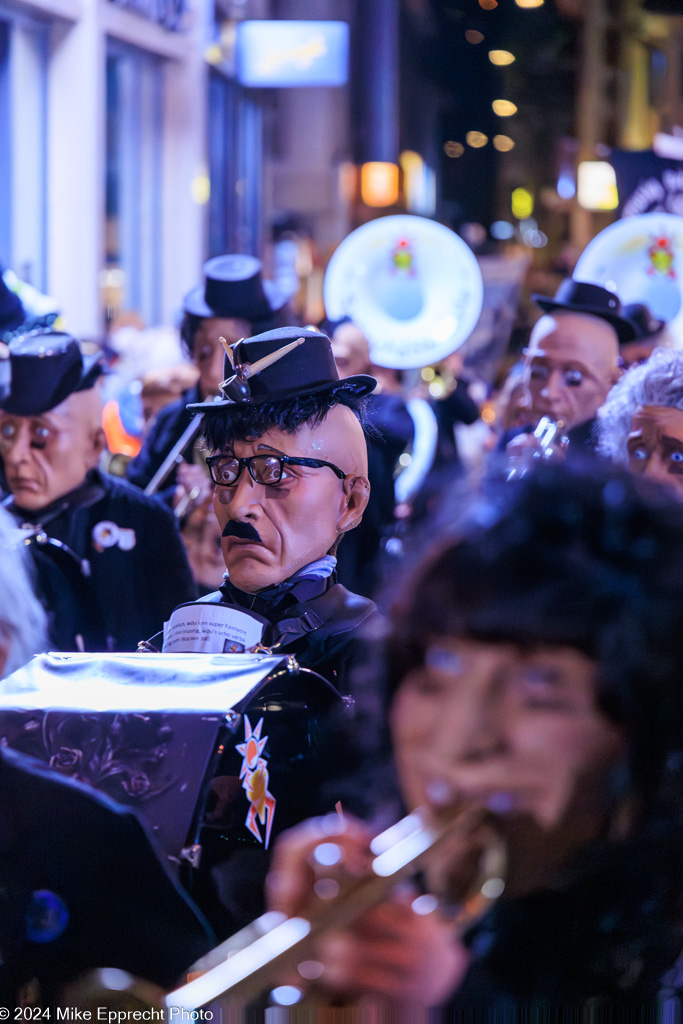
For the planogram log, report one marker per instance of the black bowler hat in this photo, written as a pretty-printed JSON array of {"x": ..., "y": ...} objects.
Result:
[
  {"x": 47, "y": 367},
  {"x": 641, "y": 317},
  {"x": 282, "y": 364},
  {"x": 581, "y": 297},
  {"x": 233, "y": 287}
]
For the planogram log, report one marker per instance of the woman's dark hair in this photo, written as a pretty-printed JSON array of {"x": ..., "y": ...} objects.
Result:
[
  {"x": 247, "y": 420},
  {"x": 590, "y": 559}
]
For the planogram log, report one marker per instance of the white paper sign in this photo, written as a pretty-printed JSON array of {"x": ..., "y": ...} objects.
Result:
[{"x": 210, "y": 629}]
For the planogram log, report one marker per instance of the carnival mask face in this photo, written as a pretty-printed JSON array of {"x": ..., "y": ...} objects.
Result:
[
  {"x": 517, "y": 732},
  {"x": 298, "y": 518},
  {"x": 571, "y": 364},
  {"x": 208, "y": 353},
  {"x": 655, "y": 445},
  {"x": 48, "y": 455}
]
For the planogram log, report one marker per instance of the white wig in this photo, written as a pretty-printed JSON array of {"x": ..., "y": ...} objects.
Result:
[
  {"x": 22, "y": 619},
  {"x": 658, "y": 381}
]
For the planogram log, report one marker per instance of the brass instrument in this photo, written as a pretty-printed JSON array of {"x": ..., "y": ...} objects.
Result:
[
  {"x": 550, "y": 438},
  {"x": 254, "y": 960},
  {"x": 175, "y": 456}
]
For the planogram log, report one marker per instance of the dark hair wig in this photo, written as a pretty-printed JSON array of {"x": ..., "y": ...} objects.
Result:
[
  {"x": 588, "y": 558},
  {"x": 246, "y": 420}
]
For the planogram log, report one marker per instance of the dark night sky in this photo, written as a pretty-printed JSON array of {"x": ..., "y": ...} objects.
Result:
[{"x": 463, "y": 83}]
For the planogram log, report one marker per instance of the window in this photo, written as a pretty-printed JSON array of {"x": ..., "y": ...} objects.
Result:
[
  {"x": 23, "y": 103},
  {"x": 235, "y": 155},
  {"x": 5, "y": 161},
  {"x": 133, "y": 182}
]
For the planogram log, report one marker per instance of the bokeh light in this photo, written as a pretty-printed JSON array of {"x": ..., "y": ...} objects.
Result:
[
  {"x": 502, "y": 230},
  {"x": 597, "y": 185},
  {"x": 379, "y": 183},
  {"x": 501, "y": 57},
  {"x": 453, "y": 149},
  {"x": 522, "y": 203},
  {"x": 476, "y": 139},
  {"x": 504, "y": 108}
]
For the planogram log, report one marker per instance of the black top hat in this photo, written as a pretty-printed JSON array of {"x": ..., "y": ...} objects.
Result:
[
  {"x": 47, "y": 367},
  {"x": 582, "y": 297},
  {"x": 282, "y": 364},
  {"x": 645, "y": 323},
  {"x": 234, "y": 287}
]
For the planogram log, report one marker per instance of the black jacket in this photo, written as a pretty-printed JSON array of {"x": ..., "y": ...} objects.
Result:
[
  {"x": 322, "y": 620},
  {"x": 138, "y": 569},
  {"x": 81, "y": 887},
  {"x": 313, "y": 759}
]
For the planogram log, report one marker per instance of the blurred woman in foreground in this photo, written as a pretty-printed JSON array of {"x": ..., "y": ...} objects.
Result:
[{"x": 535, "y": 669}]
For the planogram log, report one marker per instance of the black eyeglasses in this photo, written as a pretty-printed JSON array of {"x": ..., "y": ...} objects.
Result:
[{"x": 264, "y": 469}]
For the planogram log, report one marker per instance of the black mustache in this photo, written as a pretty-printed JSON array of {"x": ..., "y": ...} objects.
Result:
[{"x": 243, "y": 531}]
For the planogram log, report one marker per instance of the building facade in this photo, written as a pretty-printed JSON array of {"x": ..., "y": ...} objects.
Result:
[{"x": 129, "y": 151}]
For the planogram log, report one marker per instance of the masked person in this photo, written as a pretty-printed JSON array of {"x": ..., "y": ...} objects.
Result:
[
  {"x": 534, "y": 668},
  {"x": 234, "y": 302},
  {"x": 573, "y": 360},
  {"x": 289, "y": 464},
  {"x": 641, "y": 423},
  {"x": 110, "y": 563},
  {"x": 651, "y": 333}
]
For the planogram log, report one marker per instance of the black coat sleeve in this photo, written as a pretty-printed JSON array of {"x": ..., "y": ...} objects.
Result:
[
  {"x": 165, "y": 431},
  {"x": 120, "y": 906}
]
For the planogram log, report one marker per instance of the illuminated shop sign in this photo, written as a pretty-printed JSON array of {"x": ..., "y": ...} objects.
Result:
[
  {"x": 167, "y": 13},
  {"x": 289, "y": 53}
]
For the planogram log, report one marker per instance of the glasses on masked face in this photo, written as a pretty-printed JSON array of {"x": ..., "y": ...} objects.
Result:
[{"x": 269, "y": 470}]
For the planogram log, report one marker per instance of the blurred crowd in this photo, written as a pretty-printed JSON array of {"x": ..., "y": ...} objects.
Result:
[{"x": 489, "y": 573}]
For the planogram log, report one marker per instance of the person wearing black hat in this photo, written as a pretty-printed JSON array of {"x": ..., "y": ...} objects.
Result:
[
  {"x": 110, "y": 563},
  {"x": 650, "y": 333},
  {"x": 234, "y": 302},
  {"x": 290, "y": 467},
  {"x": 573, "y": 360},
  {"x": 289, "y": 464}
]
